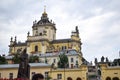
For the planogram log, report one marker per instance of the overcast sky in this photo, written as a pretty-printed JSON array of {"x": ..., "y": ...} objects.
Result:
[{"x": 98, "y": 22}]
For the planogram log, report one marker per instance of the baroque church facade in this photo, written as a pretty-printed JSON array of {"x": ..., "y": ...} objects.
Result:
[
  {"x": 43, "y": 39},
  {"x": 43, "y": 43}
]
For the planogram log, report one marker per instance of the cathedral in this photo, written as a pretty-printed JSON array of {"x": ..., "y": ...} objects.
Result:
[
  {"x": 43, "y": 39},
  {"x": 43, "y": 43}
]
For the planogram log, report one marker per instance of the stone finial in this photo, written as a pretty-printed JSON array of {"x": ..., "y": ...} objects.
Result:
[
  {"x": 11, "y": 39},
  {"x": 15, "y": 38},
  {"x": 28, "y": 34}
]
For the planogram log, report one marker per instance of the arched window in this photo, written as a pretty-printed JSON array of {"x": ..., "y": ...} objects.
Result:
[
  {"x": 36, "y": 48},
  {"x": 115, "y": 78},
  {"x": 69, "y": 78},
  {"x": 78, "y": 78},
  {"x": 108, "y": 78},
  {"x": 40, "y": 34}
]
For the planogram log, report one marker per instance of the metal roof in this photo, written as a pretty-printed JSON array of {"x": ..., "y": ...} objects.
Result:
[
  {"x": 67, "y": 52},
  {"x": 31, "y": 65}
]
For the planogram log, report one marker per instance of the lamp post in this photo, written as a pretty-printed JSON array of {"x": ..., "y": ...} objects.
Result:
[{"x": 64, "y": 70}]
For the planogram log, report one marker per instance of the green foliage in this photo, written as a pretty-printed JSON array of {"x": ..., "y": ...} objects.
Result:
[
  {"x": 16, "y": 58},
  {"x": 63, "y": 61},
  {"x": 3, "y": 60},
  {"x": 48, "y": 78},
  {"x": 33, "y": 59}
]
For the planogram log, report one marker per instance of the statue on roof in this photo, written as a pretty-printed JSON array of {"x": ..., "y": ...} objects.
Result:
[
  {"x": 77, "y": 31},
  {"x": 24, "y": 67},
  {"x": 102, "y": 59}
]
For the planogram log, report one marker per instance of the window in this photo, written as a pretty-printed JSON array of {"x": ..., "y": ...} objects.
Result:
[
  {"x": 54, "y": 60},
  {"x": 36, "y": 32},
  {"x": 64, "y": 47},
  {"x": 46, "y": 75},
  {"x": 77, "y": 64},
  {"x": 59, "y": 76},
  {"x": 40, "y": 34},
  {"x": 72, "y": 60},
  {"x": 36, "y": 48},
  {"x": 11, "y": 75}
]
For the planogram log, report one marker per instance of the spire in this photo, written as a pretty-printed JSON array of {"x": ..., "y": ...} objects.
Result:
[
  {"x": 44, "y": 9},
  {"x": 44, "y": 13},
  {"x": 44, "y": 19}
]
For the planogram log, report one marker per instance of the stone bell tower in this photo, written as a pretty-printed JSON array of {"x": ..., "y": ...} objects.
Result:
[
  {"x": 43, "y": 32},
  {"x": 44, "y": 28}
]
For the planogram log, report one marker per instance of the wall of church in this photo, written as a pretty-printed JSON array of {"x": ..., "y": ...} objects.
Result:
[
  {"x": 109, "y": 71},
  {"x": 73, "y": 60},
  {"x": 69, "y": 45},
  {"x": 5, "y": 72},
  {"x": 16, "y": 48},
  {"x": 42, "y": 47},
  {"x": 73, "y": 37},
  {"x": 50, "y": 32},
  {"x": 42, "y": 70},
  {"x": 73, "y": 73},
  {"x": 46, "y": 32},
  {"x": 70, "y": 73},
  {"x": 61, "y": 46}
]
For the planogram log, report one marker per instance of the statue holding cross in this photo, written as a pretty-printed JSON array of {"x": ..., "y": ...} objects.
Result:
[{"x": 24, "y": 68}]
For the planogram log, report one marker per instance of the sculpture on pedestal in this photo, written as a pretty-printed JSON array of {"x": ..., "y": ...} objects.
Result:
[{"x": 24, "y": 67}]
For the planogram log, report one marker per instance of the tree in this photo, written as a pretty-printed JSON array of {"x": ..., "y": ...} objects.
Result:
[
  {"x": 16, "y": 58},
  {"x": 33, "y": 59},
  {"x": 3, "y": 60},
  {"x": 63, "y": 61}
]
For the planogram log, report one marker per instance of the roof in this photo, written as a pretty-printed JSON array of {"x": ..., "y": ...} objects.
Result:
[
  {"x": 44, "y": 21},
  {"x": 31, "y": 65},
  {"x": 8, "y": 57},
  {"x": 64, "y": 41},
  {"x": 67, "y": 52},
  {"x": 19, "y": 44}
]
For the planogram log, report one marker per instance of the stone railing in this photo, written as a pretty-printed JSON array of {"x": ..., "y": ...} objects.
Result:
[{"x": 32, "y": 38}]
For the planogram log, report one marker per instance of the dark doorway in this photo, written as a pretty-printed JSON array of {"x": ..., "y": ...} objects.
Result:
[
  {"x": 108, "y": 78},
  {"x": 115, "y": 78},
  {"x": 78, "y": 79},
  {"x": 69, "y": 78}
]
